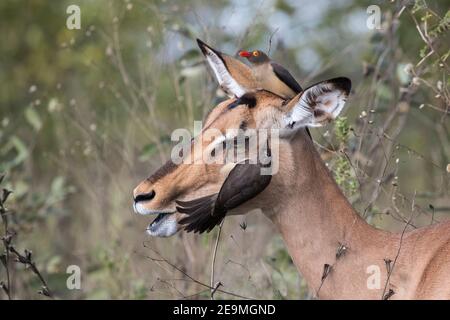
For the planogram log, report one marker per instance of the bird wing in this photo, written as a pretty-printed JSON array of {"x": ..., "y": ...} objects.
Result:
[
  {"x": 243, "y": 183},
  {"x": 229, "y": 72},
  {"x": 286, "y": 77}
]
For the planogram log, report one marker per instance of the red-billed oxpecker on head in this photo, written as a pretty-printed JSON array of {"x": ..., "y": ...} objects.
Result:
[{"x": 270, "y": 75}]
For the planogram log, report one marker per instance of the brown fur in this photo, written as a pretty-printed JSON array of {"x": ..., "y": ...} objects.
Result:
[{"x": 315, "y": 218}]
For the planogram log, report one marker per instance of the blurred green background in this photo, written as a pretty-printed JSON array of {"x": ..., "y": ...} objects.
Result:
[{"x": 87, "y": 114}]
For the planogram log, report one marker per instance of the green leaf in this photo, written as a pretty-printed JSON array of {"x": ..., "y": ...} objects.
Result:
[
  {"x": 341, "y": 129},
  {"x": 419, "y": 5},
  {"x": 442, "y": 26},
  {"x": 33, "y": 118},
  {"x": 57, "y": 185},
  {"x": 16, "y": 146}
]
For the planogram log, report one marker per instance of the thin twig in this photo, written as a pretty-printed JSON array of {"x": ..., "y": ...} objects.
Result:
[
  {"x": 25, "y": 259},
  {"x": 161, "y": 259},
  {"x": 6, "y": 239},
  {"x": 391, "y": 268},
  {"x": 270, "y": 40},
  {"x": 213, "y": 260}
]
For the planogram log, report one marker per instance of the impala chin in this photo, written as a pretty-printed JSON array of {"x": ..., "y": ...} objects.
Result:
[{"x": 164, "y": 225}]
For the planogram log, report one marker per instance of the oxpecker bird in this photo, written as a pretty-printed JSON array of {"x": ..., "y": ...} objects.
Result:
[
  {"x": 243, "y": 183},
  {"x": 270, "y": 75}
]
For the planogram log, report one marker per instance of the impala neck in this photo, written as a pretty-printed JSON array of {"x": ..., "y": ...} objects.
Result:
[{"x": 315, "y": 219}]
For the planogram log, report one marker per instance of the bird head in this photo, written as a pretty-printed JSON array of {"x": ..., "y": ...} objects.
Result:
[{"x": 255, "y": 57}]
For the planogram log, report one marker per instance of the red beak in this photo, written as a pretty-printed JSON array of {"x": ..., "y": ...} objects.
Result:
[{"x": 245, "y": 54}]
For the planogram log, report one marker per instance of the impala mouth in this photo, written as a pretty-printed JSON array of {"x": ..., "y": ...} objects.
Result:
[
  {"x": 158, "y": 219},
  {"x": 164, "y": 225}
]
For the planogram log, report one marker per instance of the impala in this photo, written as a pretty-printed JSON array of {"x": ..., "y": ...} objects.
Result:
[{"x": 333, "y": 248}]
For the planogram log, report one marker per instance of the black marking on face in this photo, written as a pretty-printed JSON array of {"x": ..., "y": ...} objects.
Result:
[
  {"x": 234, "y": 104},
  {"x": 167, "y": 168},
  {"x": 247, "y": 99}
]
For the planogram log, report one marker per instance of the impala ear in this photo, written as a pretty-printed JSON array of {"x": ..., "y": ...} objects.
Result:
[
  {"x": 233, "y": 76},
  {"x": 318, "y": 104}
]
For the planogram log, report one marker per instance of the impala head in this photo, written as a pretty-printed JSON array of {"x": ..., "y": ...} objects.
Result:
[{"x": 197, "y": 176}]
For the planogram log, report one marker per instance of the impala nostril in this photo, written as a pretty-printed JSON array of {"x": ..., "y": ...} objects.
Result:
[{"x": 145, "y": 196}]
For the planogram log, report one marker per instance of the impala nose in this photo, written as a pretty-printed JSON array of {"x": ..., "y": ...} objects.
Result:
[{"x": 144, "y": 196}]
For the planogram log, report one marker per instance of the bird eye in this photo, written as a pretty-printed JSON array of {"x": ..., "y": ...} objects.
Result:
[{"x": 255, "y": 53}]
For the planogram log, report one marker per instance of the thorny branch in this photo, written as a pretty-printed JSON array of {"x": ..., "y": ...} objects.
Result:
[
  {"x": 270, "y": 40},
  {"x": 6, "y": 239},
  {"x": 25, "y": 259},
  {"x": 216, "y": 288}
]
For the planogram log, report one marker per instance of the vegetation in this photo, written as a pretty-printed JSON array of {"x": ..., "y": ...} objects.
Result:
[{"x": 86, "y": 114}]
